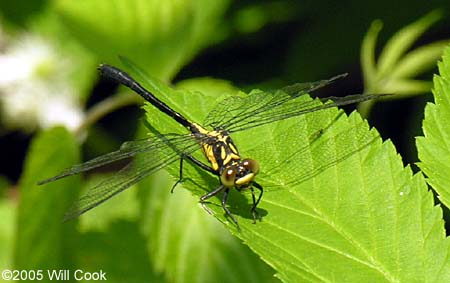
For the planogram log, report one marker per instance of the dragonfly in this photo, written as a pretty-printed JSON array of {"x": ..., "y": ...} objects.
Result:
[{"x": 213, "y": 138}]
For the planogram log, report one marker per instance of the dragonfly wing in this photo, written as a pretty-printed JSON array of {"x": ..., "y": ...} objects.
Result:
[
  {"x": 235, "y": 112},
  {"x": 301, "y": 88},
  {"x": 142, "y": 165},
  {"x": 127, "y": 150},
  {"x": 324, "y": 149},
  {"x": 295, "y": 108}
]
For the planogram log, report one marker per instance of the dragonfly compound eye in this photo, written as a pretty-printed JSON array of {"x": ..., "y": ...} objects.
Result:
[
  {"x": 251, "y": 165},
  {"x": 228, "y": 176}
]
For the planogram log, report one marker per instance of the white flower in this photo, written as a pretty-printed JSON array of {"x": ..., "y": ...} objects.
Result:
[
  {"x": 34, "y": 86},
  {"x": 60, "y": 110}
]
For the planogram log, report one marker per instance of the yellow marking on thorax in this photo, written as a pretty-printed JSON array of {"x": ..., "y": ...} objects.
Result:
[
  {"x": 230, "y": 157},
  {"x": 223, "y": 153},
  {"x": 209, "y": 151},
  {"x": 201, "y": 129},
  {"x": 233, "y": 149}
]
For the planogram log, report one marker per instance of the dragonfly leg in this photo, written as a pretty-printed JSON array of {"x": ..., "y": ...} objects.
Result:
[
  {"x": 224, "y": 202},
  {"x": 180, "y": 178},
  {"x": 209, "y": 195},
  {"x": 200, "y": 164},
  {"x": 224, "y": 206},
  {"x": 256, "y": 201},
  {"x": 196, "y": 162}
]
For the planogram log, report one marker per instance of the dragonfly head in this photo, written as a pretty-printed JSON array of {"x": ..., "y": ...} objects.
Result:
[{"x": 240, "y": 174}]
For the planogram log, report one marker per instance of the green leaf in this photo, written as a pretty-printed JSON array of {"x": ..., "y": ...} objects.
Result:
[
  {"x": 7, "y": 226},
  {"x": 338, "y": 205},
  {"x": 44, "y": 206},
  {"x": 119, "y": 251},
  {"x": 419, "y": 60},
  {"x": 403, "y": 40},
  {"x": 406, "y": 87},
  {"x": 252, "y": 18},
  {"x": 123, "y": 207},
  {"x": 163, "y": 36},
  {"x": 434, "y": 147},
  {"x": 187, "y": 245},
  {"x": 207, "y": 85}
]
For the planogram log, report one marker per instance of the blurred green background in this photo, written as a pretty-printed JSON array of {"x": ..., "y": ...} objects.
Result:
[{"x": 49, "y": 51}]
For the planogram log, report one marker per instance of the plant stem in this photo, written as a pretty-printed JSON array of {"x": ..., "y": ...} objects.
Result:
[{"x": 105, "y": 107}]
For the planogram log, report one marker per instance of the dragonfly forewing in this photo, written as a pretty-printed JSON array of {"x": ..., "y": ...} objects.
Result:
[
  {"x": 157, "y": 155},
  {"x": 238, "y": 113},
  {"x": 314, "y": 154}
]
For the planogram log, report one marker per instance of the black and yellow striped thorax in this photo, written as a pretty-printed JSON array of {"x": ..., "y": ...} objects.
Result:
[
  {"x": 218, "y": 148},
  {"x": 224, "y": 157}
]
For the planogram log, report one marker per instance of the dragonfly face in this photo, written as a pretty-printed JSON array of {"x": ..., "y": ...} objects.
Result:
[{"x": 239, "y": 174}]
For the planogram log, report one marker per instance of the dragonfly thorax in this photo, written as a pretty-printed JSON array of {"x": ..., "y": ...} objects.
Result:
[
  {"x": 218, "y": 147},
  {"x": 224, "y": 157}
]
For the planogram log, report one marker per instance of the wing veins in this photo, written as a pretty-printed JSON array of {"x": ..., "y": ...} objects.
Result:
[
  {"x": 127, "y": 150},
  {"x": 237, "y": 110},
  {"x": 142, "y": 166},
  {"x": 297, "y": 109}
]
